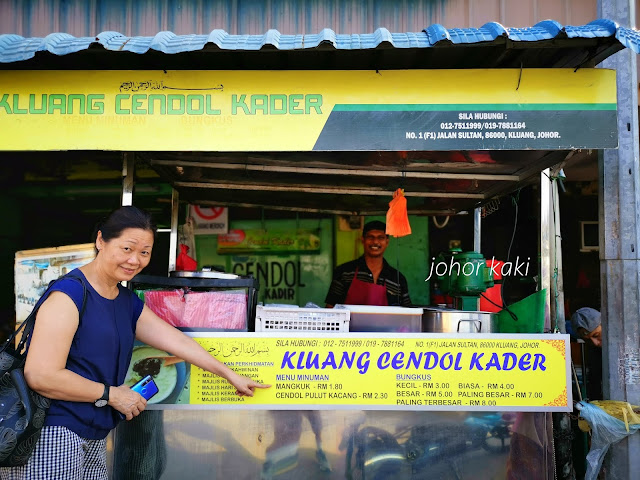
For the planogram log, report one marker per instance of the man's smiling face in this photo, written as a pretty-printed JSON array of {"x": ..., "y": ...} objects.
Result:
[{"x": 375, "y": 242}]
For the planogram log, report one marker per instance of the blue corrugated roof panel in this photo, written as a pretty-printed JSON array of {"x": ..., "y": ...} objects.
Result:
[
  {"x": 597, "y": 28},
  {"x": 629, "y": 38},
  {"x": 14, "y": 48},
  {"x": 487, "y": 33},
  {"x": 541, "y": 31}
]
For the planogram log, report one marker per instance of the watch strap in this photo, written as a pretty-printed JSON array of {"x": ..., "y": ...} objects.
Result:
[{"x": 105, "y": 394}]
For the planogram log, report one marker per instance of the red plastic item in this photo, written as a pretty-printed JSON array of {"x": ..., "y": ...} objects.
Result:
[
  {"x": 184, "y": 262},
  {"x": 440, "y": 299},
  {"x": 493, "y": 294},
  {"x": 227, "y": 310},
  {"x": 167, "y": 304},
  {"x": 224, "y": 309}
]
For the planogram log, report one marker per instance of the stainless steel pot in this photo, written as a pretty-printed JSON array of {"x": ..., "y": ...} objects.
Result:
[{"x": 445, "y": 320}]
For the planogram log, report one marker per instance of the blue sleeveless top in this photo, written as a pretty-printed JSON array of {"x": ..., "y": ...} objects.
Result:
[{"x": 100, "y": 351}]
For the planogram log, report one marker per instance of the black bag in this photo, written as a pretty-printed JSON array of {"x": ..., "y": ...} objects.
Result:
[{"x": 22, "y": 411}]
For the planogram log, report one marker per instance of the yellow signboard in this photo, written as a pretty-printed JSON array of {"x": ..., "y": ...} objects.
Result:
[
  {"x": 386, "y": 371},
  {"x": 308, "y": 110}
]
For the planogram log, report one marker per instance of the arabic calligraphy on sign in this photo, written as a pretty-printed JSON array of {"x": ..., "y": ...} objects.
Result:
[
  {"x": 158, "y": 85},
  {"x": 235, "y": 348}
]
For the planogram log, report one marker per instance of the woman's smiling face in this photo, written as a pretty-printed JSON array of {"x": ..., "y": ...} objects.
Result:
[{"x": 125, "y": 256}]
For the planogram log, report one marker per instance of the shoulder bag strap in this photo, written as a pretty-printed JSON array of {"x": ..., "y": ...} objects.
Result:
[{"x": 84, "y": 291}]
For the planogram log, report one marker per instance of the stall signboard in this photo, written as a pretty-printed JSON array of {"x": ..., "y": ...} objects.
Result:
[
  {"x": 284, "y": 277},
  {"x": 505, "y": 109},
  {"x": 484, "y": 372},
  {"x": 269, "y": 241}
]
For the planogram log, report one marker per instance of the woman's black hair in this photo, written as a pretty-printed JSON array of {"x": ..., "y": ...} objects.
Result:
[{"x": 123, "y": 218}]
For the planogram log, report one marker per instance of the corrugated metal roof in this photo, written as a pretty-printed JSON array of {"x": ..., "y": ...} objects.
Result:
[{"x": 15, "y": 48}]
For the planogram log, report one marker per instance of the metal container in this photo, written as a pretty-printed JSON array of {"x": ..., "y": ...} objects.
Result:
[
  {"x": 446, "y": 320},
  {"x": 202, "y": 274}
]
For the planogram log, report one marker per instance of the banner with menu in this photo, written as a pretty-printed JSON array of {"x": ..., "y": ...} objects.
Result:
[{"x": 373, "y": 371}]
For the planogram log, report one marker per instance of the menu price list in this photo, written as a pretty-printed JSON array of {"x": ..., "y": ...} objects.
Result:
[
  {"x": 460, "y": 393},
  {"x": 291, "y": 389},
  {"x": 214, "y": 389},
  {"x": 409, "y": 393}
]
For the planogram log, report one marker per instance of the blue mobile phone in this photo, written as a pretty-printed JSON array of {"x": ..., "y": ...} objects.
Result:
[{"x": 146, "y": 387}]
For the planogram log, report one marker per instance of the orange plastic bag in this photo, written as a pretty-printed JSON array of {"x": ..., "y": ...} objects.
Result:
[
  {"x": 397, "y": 218},
  {"x": 184, "y": 262}
]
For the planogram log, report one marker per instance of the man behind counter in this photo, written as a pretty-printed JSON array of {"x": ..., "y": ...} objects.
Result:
[{"x": 369, "y": 280}]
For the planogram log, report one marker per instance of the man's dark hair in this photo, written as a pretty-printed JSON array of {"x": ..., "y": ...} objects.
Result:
[{"x": 374, "y": 225}]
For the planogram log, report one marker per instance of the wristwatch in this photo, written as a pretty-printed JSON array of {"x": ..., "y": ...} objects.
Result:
[{"x": 104, "y": 399}]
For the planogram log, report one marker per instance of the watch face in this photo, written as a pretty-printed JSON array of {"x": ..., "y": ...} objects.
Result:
[{"x": 100, "y": 403}]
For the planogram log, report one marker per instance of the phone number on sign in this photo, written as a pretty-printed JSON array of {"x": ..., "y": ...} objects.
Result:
[{"x": 482, "y": 125}]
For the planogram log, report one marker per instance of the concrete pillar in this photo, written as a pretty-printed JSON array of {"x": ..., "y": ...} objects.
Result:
[{"x": 619, "y": 211}]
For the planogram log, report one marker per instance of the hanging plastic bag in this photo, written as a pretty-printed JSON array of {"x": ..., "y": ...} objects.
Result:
[
  {"x": 169, "y": 305},
  {"x": 184, "y": 262},
  {"x": 186, "y": 235},
  {"x": 606, "y": 430},
  {"x": 397, "y": 218}
]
